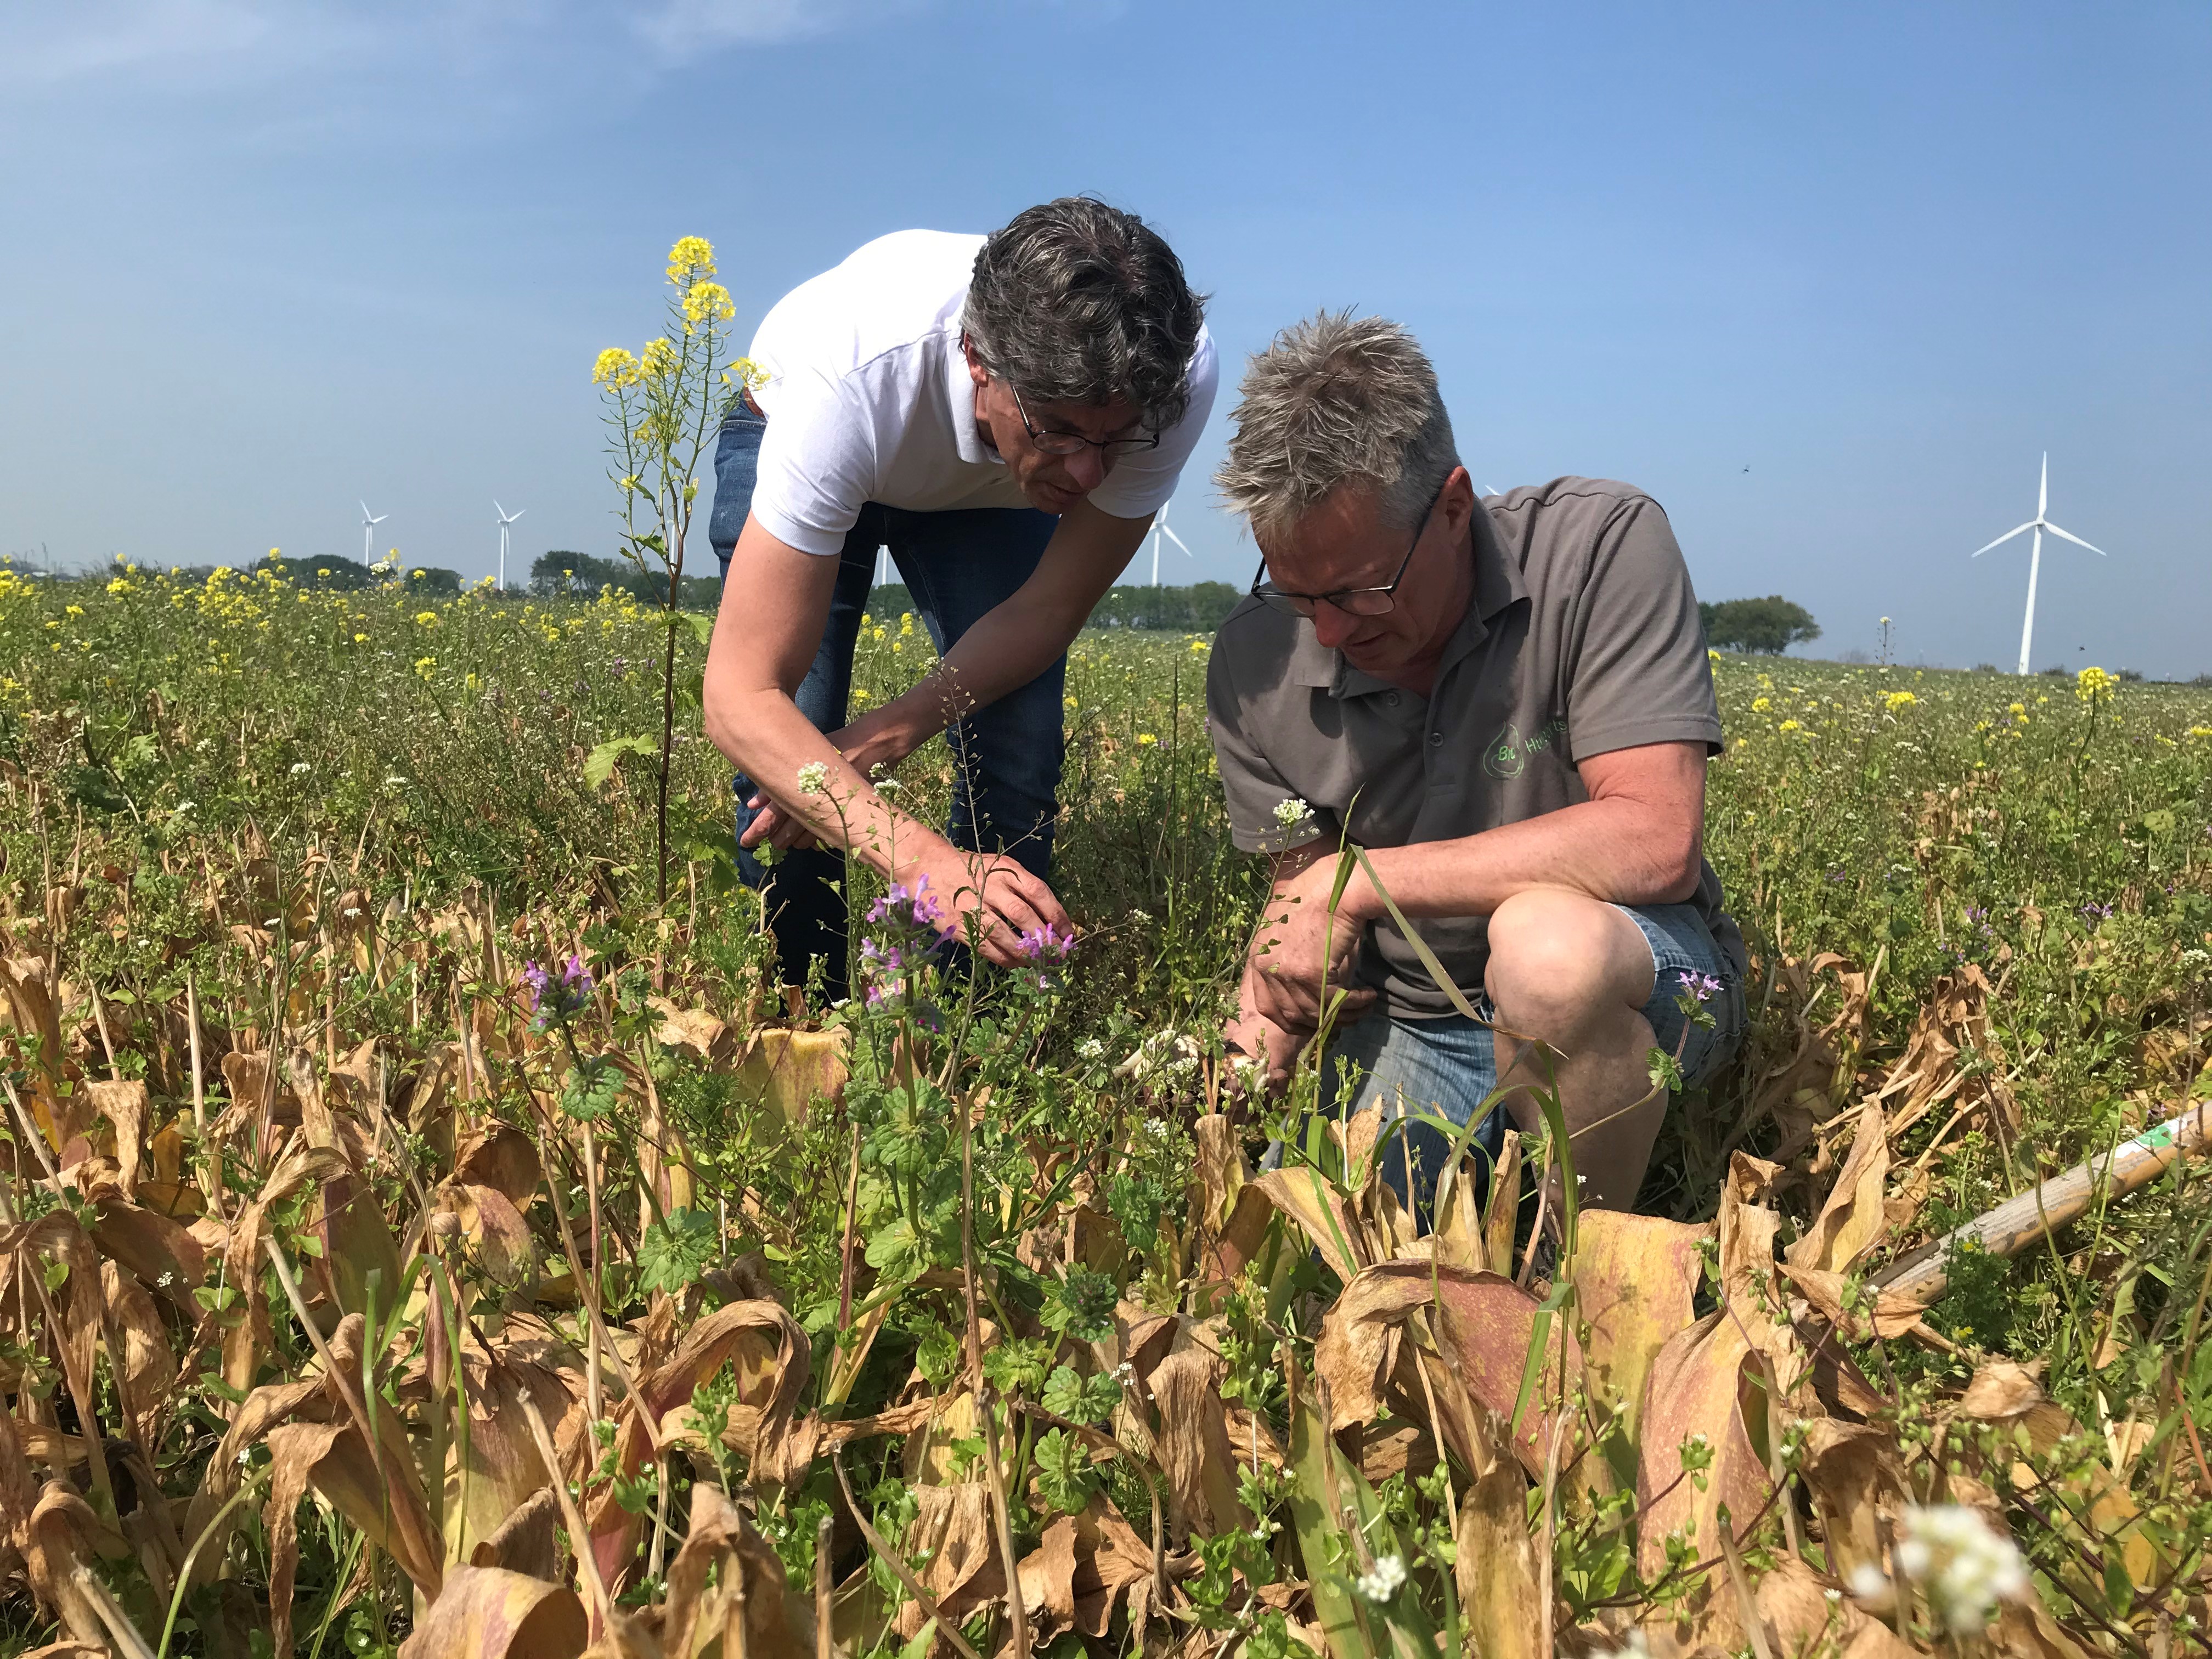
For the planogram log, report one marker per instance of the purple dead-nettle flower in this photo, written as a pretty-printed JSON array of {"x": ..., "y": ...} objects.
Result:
[
  {"x": 1700, "y": 986},
  {"x": 1045, "y": 944},
  {"x": 535, "y": 982},
  {"x": 2095, "y": 913},
  {"x": 927, "y": 910},
  {"x": 882, "y": 908}
]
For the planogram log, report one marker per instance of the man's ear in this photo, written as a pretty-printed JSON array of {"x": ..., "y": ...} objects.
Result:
[
  {"x": 976, "y": 372},
  {"x": 1458, "y": 499}
]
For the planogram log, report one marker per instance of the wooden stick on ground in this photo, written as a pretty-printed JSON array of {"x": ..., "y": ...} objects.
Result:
[{"x": 2021, "y": 1222}]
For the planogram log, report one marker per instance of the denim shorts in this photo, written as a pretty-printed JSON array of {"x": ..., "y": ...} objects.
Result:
[{"x": 1448, "y": 1066}]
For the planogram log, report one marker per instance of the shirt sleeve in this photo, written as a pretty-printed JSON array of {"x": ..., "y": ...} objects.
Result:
[
  {"x": 1139, "y": 485},
  {"x": 818, "y": 466},
  {"x": 1635, "y": 668},
  {"x": 1259, "y": 821}
]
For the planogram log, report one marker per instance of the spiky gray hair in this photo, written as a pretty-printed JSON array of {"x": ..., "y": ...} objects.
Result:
[{"x": 1337, "y": 399}]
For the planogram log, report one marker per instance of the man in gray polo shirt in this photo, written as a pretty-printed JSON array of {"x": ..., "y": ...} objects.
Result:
[{"x": 1506, "y": 700}]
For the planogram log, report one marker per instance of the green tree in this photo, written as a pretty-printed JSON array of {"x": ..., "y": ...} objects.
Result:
[{"x": 1768, "y": 626}]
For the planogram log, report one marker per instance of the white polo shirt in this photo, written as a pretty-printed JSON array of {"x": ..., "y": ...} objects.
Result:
[{"x": 868, "y": 398}]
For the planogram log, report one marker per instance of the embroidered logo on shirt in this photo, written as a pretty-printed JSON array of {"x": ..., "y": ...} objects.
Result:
[{"x": 1506, "y": 754}]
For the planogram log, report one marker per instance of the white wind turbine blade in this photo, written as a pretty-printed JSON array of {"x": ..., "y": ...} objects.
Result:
[
  {"x": 1178, "y": 541},
  {"x": 497, "y": 508},
  {"x": 2043, "y": 490},
  {"x": 2076, "y": 540},
  {"x": 2003, "y": 539}
]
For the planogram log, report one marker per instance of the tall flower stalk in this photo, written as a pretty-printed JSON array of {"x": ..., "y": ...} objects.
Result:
[{"x": 664, "y": 405}]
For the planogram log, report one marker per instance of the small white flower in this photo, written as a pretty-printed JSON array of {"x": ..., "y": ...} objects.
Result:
[
  {"x": 1868, "y": 1583},
  {"x": 1292, "y": 812},
  {"x": 1140, "y": 917},
  {"x": 1091, "y": 1048},
  {"x": 183, "y": 807},
  {"x": 352, "y": 911},
  {"x": 299, "y": 767},
  {"x": 1965, "y": 1568},
  {"x": 271, "y": 921},
  {"x": 393, "y": 781},
  {"x": 1386, "y": 1580},
  {"x": 813, "y": 777}
]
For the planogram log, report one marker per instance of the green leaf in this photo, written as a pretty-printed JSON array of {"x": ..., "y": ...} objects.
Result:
[
  {"x": 702, "y": 622},
  {"x": 591, "y": 1090},
  {"x": 1016, "y": 1365},
  {"x": 1065, "y": 1478},
  {"x": 600, "y": 764},
  {"x": 1080, "y": 1398},
  {"x": 1082, "y": 1305},
  {"x": 675, "y": 1251}
]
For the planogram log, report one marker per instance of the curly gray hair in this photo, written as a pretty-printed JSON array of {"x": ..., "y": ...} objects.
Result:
[
  {"x": 1074, "y": 301},
  {"x": 1333, "y": 400}
]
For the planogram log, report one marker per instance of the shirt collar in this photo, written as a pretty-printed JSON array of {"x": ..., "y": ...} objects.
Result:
[
  {"x": 960, "y": 400},
  {"x": 1497, "y": 584}
]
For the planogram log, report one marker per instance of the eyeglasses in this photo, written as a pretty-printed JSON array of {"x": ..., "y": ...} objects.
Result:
[
  {"x": 1075, "y": 443},
  {"x": 1352, "y": 601}
]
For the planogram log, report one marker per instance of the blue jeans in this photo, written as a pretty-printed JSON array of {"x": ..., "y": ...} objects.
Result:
[
  {"x": 1449, "y": 1066},
  {"x": 1007, "y": 757}
]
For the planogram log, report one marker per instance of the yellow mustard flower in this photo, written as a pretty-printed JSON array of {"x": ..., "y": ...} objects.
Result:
[
  {"x": 691, "y": 256},
  {"x": 1790, "y": 726},
  {"x": 708, "y": 302},
  {"x": 2093, "y": 685},
  {"x": 1146, "y": 739},
  {"x": 614, "y": 368},
  {"x": 1760, "y": 705},
  {"x": 426, "y": 618},
  {"x": 1896, "y": 700},
  {"x": 659, "y": 359}
]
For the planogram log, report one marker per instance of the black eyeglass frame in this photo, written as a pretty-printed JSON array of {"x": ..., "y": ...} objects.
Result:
[
  {"x": 1075, "y": 443},
  {"x": 1269, "y": 594}
]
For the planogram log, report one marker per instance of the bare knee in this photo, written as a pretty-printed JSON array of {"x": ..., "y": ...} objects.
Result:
[{"x": 1560, "y": 961}]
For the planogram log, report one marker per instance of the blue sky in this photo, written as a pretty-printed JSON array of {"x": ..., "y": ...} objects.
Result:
[{"x": 265, "y": 258}]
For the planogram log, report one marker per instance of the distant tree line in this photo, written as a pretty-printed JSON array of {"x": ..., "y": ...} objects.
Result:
[
  {"x": 1767, "y": 627},
  {"x": 562, "y": 574}
]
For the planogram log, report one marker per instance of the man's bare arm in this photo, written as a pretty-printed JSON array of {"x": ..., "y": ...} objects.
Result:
[{"x": 1639, "y": 839}]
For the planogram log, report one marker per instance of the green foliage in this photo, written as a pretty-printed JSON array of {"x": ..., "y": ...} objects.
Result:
[
  {"x": 1768, "y": 626},
  {"x": 677, "y": 1249}
]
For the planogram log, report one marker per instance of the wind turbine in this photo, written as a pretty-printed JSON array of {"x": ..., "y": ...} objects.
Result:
[
  {"x": 2038, "y": 524},
  {"x": 506, "y": 518},
  {"x": 369, "y": 524},
  {"x": 1160, "y": 529}
]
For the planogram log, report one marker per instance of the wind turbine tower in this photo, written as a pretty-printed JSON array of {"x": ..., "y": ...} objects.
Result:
[
  {"x": 2038, "y": 524},
  {"x": 369, "y": 524},
  {"x": 506, "y": 518},
  {"x": 1160, "y": 529}
]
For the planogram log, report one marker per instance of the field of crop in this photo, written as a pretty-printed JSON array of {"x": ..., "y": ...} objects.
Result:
[{"x": 413, "y": 1225}]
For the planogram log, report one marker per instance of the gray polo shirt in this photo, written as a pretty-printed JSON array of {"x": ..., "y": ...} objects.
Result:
[{"x": 1582, "y": 637}]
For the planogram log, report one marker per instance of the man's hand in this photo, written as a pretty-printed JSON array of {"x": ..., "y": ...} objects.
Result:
[
  {"x": 1262, "y": 1054},
  {"x": 1008, "y": 900},
  {"x": 1303, "y": 952},
  {"x": 882, "y": 737}
]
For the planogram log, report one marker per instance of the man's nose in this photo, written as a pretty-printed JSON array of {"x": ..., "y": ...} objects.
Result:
[
  {"x": 1332, "y": 627},
  {"x": 1087, "y": 469}
]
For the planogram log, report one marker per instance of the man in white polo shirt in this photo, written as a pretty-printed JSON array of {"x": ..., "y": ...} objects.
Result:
[{"x": 1005, "y": 414}]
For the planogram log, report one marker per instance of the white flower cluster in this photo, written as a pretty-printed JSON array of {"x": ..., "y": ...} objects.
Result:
[
  {"x": 1963, "y": 1567},
  {"x": 1385, "y": 1580},
  {"x": 1292, "y": 812},
  {"x": 1163, "y": 1055},
  {"x": 813, "y": 777},
  {"x": 1091, "y": 1048}
]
